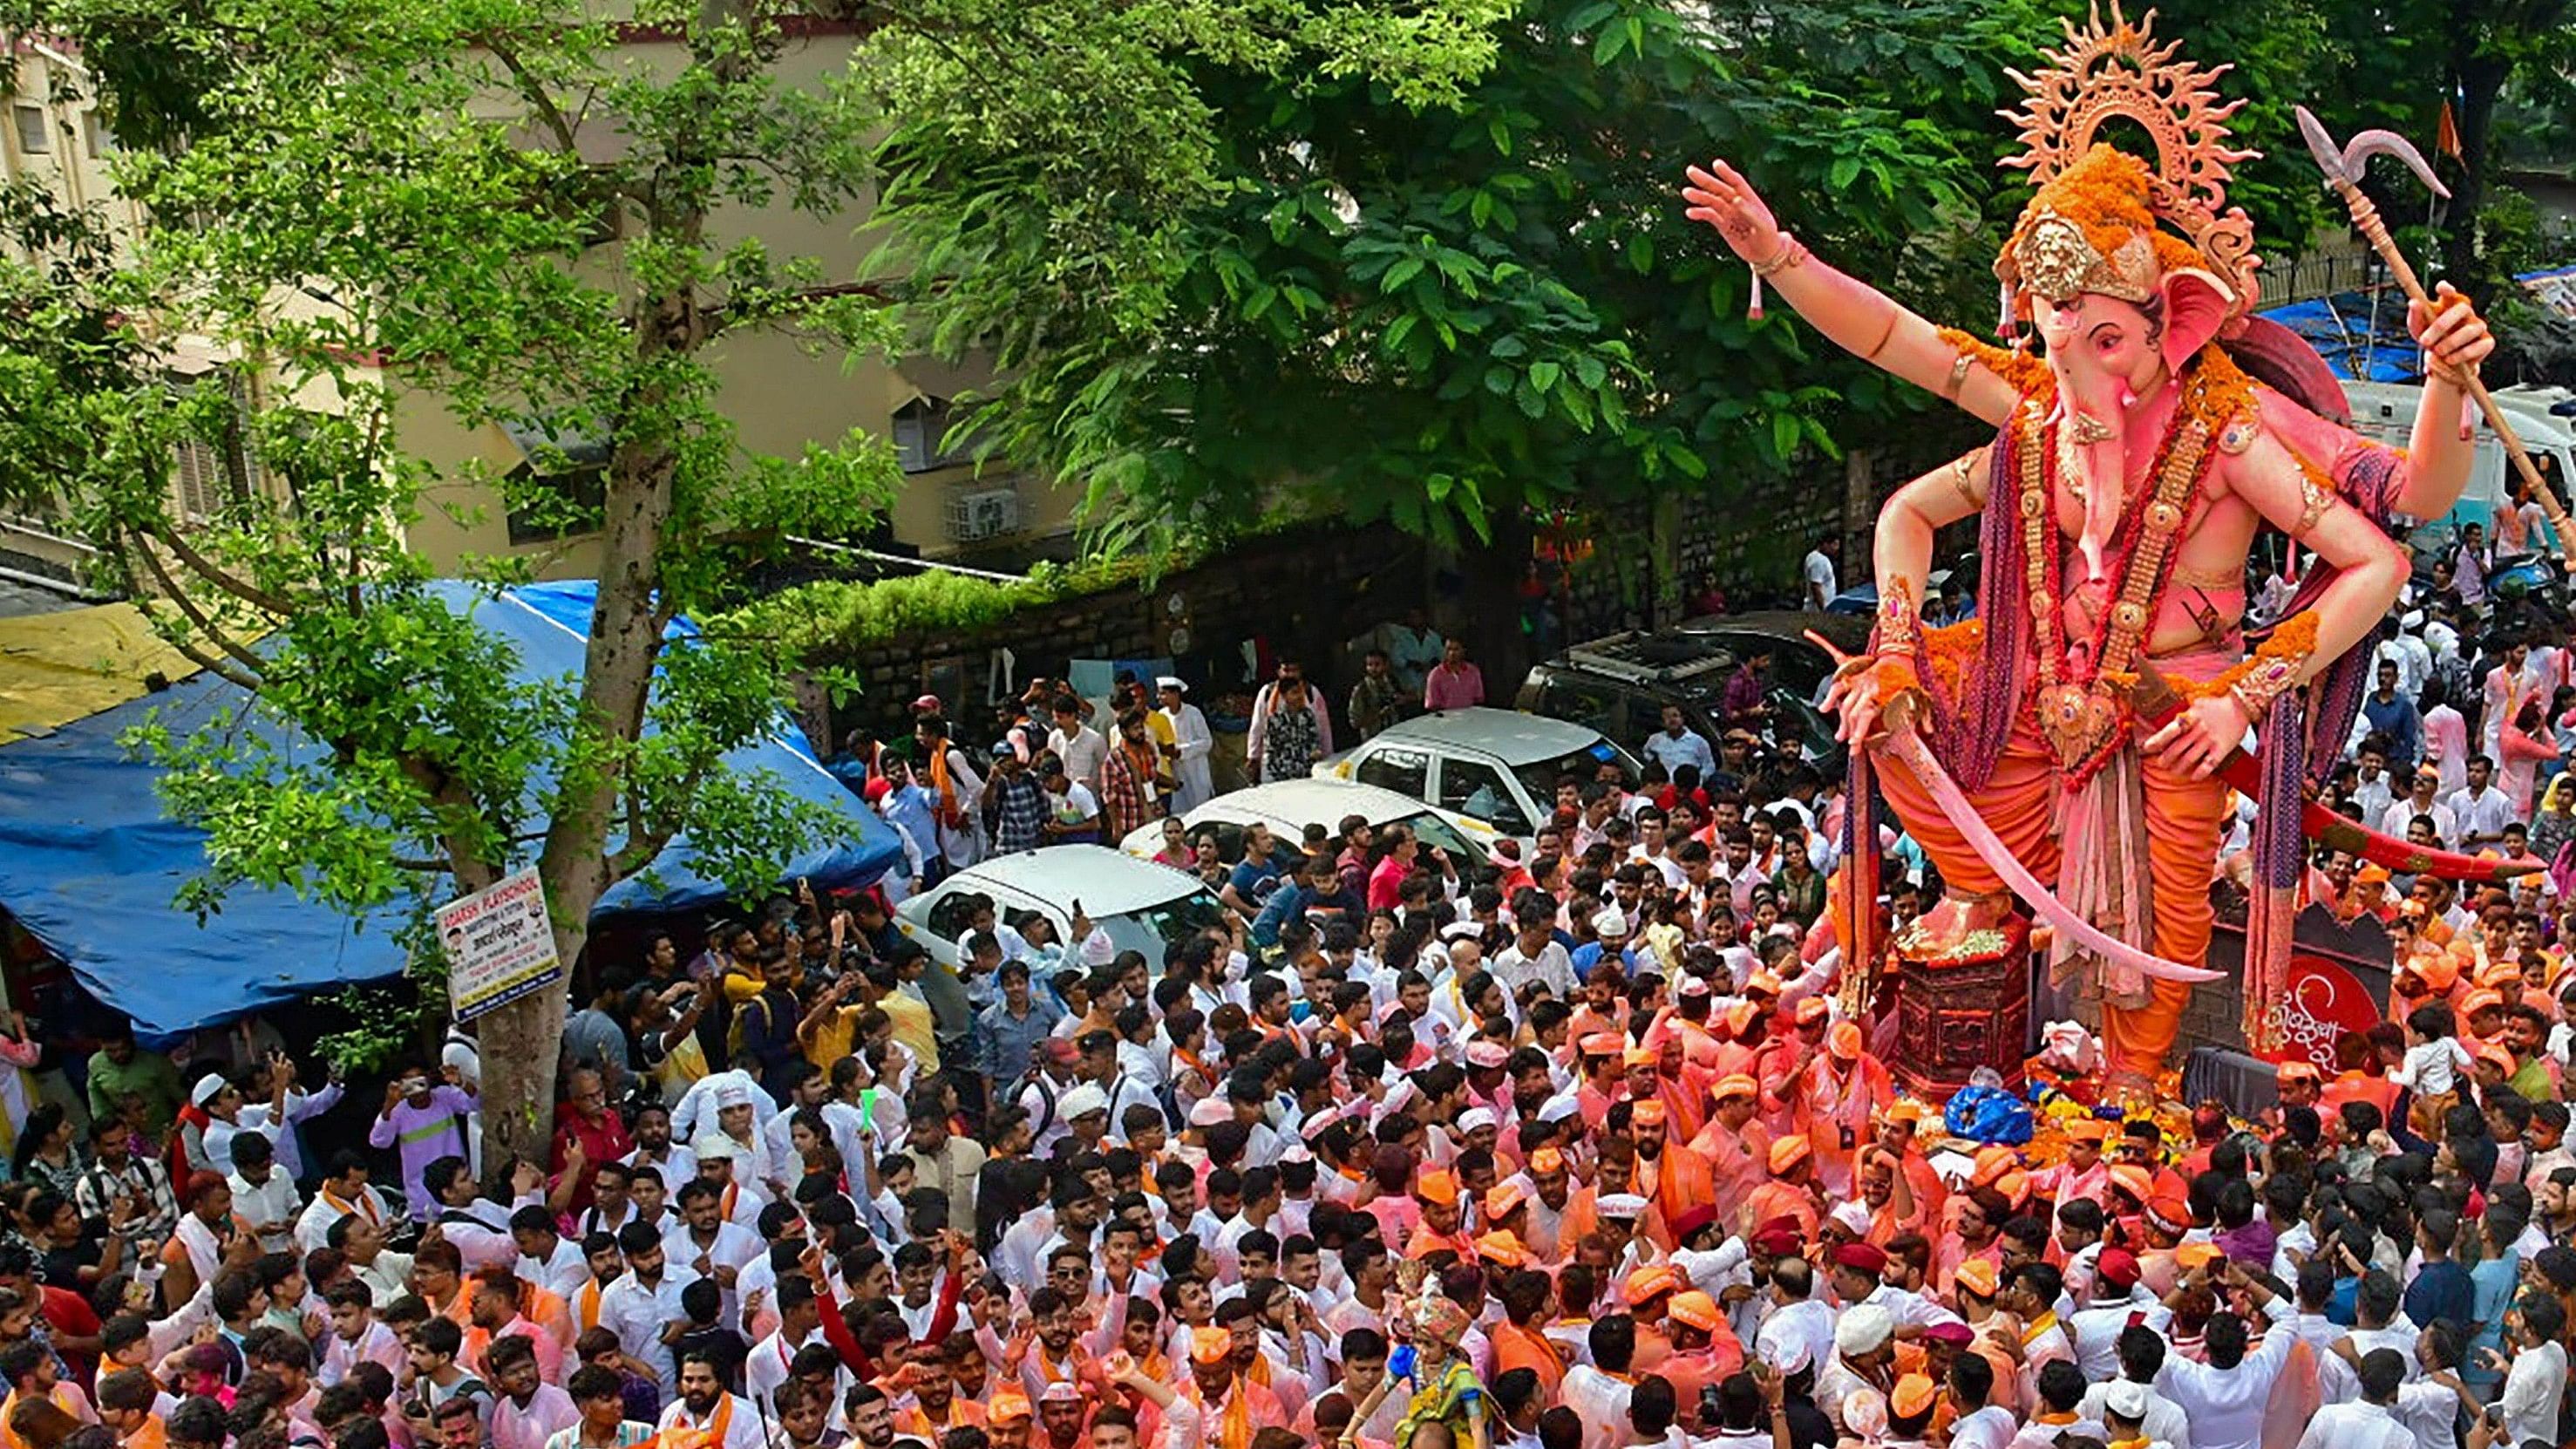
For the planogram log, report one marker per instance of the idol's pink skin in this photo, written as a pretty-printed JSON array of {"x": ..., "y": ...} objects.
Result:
[{"x": 2117, "y": 368}]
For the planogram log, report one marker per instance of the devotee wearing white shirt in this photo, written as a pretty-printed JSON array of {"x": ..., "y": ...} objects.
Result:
[
  {"x": 705, "y": 1414},
  {"x": 2535, "y": 1378},
  {"x": 2482, "y": 810},
  {"x": 2224, "y": 1397},
  {"x": 2369, "y": 1421},
  {"x": 643, "y": 1306}
]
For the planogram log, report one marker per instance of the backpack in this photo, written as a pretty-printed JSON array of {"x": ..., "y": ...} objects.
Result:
[
  {"x": 1046, "y": 1106},
  {"x": 733, "y": 1028}
]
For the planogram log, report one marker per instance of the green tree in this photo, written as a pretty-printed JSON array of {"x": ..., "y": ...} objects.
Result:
[
  {"x": 2393, "y": 63},
  {"x": 1461, "y": 318},
  {"x": 371, "y": 212}
]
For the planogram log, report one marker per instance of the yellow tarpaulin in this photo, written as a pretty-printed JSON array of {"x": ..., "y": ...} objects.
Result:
[{"x": 60, "y": 667}]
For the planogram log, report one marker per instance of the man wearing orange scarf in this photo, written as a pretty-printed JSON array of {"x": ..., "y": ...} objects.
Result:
[
  {"x": 1844, "y": 1087},
  {"x": 1217, "y": 1407},
  {"x": 1555, "y": 1203},
  {"x": 1518, "y": 1340},
  {"x": 1675, "y": 1178}
]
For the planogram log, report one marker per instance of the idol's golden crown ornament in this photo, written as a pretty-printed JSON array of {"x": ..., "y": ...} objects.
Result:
[{"x": 2093, "y": 224}]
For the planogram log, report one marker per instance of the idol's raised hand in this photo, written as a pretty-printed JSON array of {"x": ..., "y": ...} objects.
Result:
[{"x": 1720, "y": 196}]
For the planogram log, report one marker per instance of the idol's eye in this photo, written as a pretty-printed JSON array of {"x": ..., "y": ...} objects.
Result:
[{"x": 2106, "y": 340}]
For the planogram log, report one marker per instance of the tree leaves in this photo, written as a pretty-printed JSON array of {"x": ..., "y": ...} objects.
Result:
[
  {"x": 1509, "y": 292},
  {"x": 380, "y": 260}
]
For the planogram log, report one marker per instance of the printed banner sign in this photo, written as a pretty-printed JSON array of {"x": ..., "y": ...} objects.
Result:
[{"x": 500, "y": 945}]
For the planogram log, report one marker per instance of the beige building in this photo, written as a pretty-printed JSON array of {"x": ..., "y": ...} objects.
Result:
[{"x": 779, "y": 396}]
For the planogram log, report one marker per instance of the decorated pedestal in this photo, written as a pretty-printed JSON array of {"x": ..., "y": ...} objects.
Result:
[{"x": 1962, "y": 1006}]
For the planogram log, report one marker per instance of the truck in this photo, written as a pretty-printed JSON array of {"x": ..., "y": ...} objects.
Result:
[{"x": 2385, "y": 412}]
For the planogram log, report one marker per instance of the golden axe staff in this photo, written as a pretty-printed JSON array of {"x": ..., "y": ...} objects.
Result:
[{"x": 2343, "y": 167}]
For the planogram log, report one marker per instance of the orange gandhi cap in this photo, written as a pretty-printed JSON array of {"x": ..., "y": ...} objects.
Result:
[
  {"x": 1844, "y": 1041},
  {"x": 1788, "y": 1152},
  {"x": 1646, "y": 1282},
  {"x": 1696, "y": 1309}
]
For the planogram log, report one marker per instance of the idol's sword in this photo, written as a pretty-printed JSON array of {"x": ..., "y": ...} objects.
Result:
[
  {"x": 2155, "y": 701},
  {"x": 1907, "y": 745}
]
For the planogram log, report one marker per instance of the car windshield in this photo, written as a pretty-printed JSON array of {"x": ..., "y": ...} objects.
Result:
[
  {"x": 1800, "y": 670},
  {"x": 1540, "y": 776},
  {"x": 1430, "y": 830},
  {"x": 1157, "y": 928}
]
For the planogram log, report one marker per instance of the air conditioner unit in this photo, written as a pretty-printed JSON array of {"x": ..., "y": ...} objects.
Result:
[{"x": 986, "y": 513}]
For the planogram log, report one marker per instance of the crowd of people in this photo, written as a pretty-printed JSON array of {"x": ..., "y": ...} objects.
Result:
[{"x": 1588, "y": 1145}]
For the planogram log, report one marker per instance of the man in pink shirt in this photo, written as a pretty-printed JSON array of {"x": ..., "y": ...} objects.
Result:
[{"x": 1453, "y": 683}]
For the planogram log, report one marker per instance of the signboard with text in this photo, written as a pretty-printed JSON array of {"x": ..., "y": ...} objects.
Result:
[
  {"x": 500, "y": 945},
  {"x": 2324, "y": 1001}
]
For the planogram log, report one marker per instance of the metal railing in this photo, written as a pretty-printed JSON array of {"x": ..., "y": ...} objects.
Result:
[{"x": 2312, "y": 275}]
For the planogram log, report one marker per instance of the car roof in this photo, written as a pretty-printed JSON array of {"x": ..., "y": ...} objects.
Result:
[
  {"x": 1507, "y": 734},
  {"x": 1107, "y": 882},
  {"x": 1319, "y": 801},
  {"x": 1786, "y": 627}
]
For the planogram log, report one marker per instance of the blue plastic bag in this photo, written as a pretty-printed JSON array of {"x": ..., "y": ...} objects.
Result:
[{"x": 1988, "y": 1114}]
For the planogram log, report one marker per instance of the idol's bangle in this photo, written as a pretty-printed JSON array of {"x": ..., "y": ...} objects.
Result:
[
  {"x": 2268, "y": 680},
  {"x": 1791, "y": 253},
  {"x": 1900, "y": 628}
]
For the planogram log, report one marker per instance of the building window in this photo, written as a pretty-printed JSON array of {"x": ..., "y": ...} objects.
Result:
[
  {"x": 207, "y": 475},
  {"x": 197, "y": 480},
  {"x": 559, "y": 487},
  {"x": 34, "y": 136},
  {"x": 920, "y": 427},
  {"x": 94, "y": 137}
]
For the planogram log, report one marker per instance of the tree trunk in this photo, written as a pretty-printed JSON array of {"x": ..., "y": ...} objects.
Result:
[
  {"x": 521, "y": 1042},
  {"x": 1492, "y": 603},
  {"x": 1860, "y": 519},
  {"x": 2480, "y": 79},
  {"x": 1670, "y": 590}
]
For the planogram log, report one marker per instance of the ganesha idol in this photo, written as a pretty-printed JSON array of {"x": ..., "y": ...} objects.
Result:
[{"x": 2147, "y": 427}]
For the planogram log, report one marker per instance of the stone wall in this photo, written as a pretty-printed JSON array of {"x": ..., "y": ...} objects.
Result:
[
  {"x": 1752, "y": 544},
  {"x": 1314, "y": 589}
]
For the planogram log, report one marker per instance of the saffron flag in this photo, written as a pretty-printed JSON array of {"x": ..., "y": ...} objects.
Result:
[{"x": 2446, "y": 138}]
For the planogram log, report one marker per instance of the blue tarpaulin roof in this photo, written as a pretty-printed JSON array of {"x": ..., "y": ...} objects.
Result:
[
  {"x": 2362, "y": 335},
  {"x": 89, "y": 863},
  {"x": 2358, "y": 344}
]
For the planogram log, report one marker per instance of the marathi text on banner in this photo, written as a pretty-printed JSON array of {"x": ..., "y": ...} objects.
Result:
[{"x": 500, "y": 945}]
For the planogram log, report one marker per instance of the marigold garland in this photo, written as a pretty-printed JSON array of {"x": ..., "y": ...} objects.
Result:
[
  {"x": 1951, "y": 651},
  {"x": 2294, "y": 640},
  {"x": 2026, "y": 375}
]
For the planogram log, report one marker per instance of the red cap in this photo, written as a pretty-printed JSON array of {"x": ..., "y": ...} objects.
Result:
[
  {"x": 2117, "y": 1267},
  {"x": 1690, "y": 1220},
  {"x": 1862, "y": 1258}
]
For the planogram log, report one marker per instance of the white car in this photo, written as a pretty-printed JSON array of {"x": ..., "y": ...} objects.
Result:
[
  {"x": 1143, "y": 906},
  {"x": 1289, "y": 806},
  {"x": 1497, "y": 766}
]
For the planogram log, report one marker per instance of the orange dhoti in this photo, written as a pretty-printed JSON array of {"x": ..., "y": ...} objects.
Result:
[{"x": 2019, "y": 803}]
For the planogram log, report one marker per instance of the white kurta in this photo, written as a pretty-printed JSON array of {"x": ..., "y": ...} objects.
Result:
[{"x": 1196, "y": 780}]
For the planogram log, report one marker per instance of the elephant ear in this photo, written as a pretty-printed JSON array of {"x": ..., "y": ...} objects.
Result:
[{"x": 2196, "y": 304}]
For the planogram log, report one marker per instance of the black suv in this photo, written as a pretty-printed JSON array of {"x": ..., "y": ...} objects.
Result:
[{"x": 1620, "y": 685}]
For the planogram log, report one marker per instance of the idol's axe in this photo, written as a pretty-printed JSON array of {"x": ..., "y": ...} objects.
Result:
[{"x": 2343, "y": 167}]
